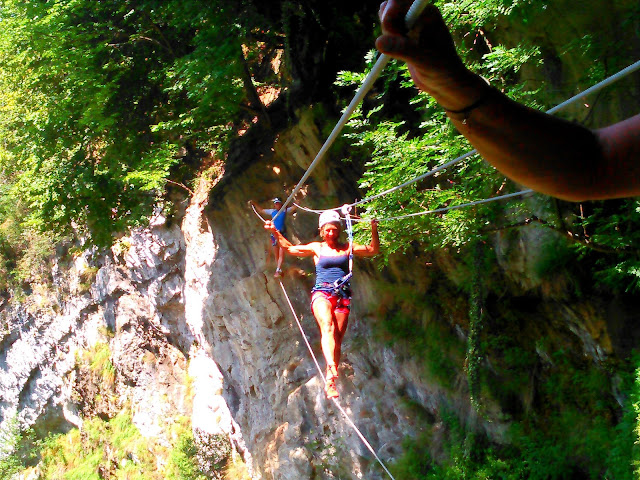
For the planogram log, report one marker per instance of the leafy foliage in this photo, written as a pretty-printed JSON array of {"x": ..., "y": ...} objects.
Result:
[
  {"x": 105, "y": 104},
  {"x": 184, "y": 459},
  {"x": 614, "y": 226},
  {"x": 400, "y": 150},
  {"x": 100, "y": 99},
  {"x": 103, "y": 448},
  {"x": 116, "y": 449},
  {"x": 575, "y": 439},
  {"x": 15, "y": 448},
  {"x": 404, "y": 134}
]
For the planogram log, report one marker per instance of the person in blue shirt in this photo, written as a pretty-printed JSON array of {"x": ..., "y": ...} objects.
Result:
[{"x": 279, "y": 221}]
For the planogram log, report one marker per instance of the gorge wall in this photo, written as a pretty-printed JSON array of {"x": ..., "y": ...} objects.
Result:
[{"x": 197, "y": 326}]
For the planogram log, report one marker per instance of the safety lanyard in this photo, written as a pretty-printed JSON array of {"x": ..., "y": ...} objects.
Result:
[
  {"x": 346, "y": 211},
  {"x": 338, "y": 284}
]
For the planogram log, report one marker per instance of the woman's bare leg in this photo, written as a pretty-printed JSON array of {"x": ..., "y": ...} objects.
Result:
[
  {"x": 323, "y": 312},
  {"x": 324, "y": 316},
  {"x": 342, "y": 319},
  {"x": 280, "y": 257}
]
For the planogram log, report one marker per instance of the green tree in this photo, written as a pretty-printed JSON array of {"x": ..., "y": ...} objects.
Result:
[
  {"x": 16, "y": 448},
  {"x": 103, "y": 103},
  {"x": 101, "y": 100}
]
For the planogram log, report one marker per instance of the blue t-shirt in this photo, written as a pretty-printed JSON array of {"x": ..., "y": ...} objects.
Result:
[{"x": 278, "y": 220}]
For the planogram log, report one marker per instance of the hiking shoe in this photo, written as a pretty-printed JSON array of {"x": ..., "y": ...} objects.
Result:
[
  {"x": 330, "y": 388},
  {"x": 278, "y": 273}
]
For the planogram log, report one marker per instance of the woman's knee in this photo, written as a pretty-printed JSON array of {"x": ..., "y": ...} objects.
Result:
[{"x": 327, "y": 327}]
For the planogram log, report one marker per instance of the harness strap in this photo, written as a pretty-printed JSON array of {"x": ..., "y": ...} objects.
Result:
[
  {"x": 338, "y": 284},
  {"x": 346, "y": 211},
  {"x": 339, "y": 288}
]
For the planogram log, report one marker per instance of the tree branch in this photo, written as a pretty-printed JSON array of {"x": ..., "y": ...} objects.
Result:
[{"x": 250, "y": 88}]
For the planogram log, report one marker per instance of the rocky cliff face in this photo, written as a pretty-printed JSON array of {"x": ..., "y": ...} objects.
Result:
[{"x": 197, "y": 326}]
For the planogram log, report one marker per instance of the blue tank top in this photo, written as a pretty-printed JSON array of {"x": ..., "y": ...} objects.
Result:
[{"x": 329, "y": 269}]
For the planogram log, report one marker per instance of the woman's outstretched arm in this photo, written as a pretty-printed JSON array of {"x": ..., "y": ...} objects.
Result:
[
  {"x": 373, "y": 248},
  {"x": 543, "y": 152},
  {"x": 289, "y": 248}
]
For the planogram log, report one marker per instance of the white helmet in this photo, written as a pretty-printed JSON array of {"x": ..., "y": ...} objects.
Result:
[{"x": 328, "y": 216}]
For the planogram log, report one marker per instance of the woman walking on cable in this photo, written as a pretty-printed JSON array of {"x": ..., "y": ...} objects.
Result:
[{"x": 330, "y": 296}]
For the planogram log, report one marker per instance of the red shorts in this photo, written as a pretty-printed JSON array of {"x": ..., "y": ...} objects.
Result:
[{"x": 338, "y": 304}]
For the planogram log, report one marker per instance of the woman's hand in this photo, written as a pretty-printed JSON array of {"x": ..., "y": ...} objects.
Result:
[{"x": 268, "y": 225}]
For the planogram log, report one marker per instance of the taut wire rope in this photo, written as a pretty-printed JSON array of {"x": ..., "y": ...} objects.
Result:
[
  {"x": 417, "y": 179},
  {"x": 304, "y": 335},
  {"x": 437, "y": 210},
  {"x": 256, "y": 212},
  {"x": 346, "y": 211},
  {"x": 324, "y": 380},
  {"x": 454, "y": 207},
  {"x": 599, "y": 86},
  {"x": 310, "y": 210},
  {"x": 412, "y": 15}
]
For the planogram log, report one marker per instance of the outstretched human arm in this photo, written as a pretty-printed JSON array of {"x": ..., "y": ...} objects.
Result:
[
  {"x": 289, "y": 248},
  {"x": 373, "y": 248},
  {"x": 259, "y": 209},
  {"x": 546, "y": 153}
]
